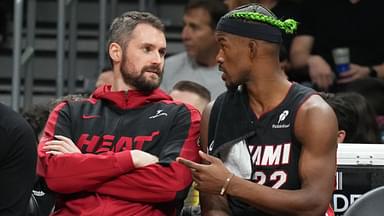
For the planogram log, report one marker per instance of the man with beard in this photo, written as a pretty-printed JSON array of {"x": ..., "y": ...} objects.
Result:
[
  {"x": 270, "y": 144},
  {"x": 114, "y": 153}
]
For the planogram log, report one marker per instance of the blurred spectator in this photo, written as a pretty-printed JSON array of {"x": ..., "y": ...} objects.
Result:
[
  {"x": 372, "y": 89},
  {"x": 356, "y": 118},
  {"x": 198, "y": 96},
  {"x": 105, "y": 77},
  {"x": 191, "y": 93},
  {"x": 328, "y": 24},
  {"x": 198, "y": 63},
  {"x": 17, "y": 162},
  {"x": 37, "y": 117}
]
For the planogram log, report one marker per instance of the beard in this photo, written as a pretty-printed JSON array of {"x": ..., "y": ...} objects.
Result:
[
  {"x": 231, "y": 84},
  {"x": 140, "y": 82}
]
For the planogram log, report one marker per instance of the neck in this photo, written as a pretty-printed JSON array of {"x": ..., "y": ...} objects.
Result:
[
  {"x": 208, "y": 58},
  {"x": 267, "y": 88},
  {"x": 206, "y": 62},
  {"x": 118, "y": 83}
]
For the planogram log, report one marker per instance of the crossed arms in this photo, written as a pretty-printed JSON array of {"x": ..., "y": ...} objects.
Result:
[{"x": 131, "y": 175}]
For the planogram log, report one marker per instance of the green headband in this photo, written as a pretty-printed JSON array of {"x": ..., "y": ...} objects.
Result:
[{"x": 288, "y": 26}]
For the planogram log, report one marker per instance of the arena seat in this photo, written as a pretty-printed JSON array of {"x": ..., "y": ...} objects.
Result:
[{"x": 370, "y": 203}]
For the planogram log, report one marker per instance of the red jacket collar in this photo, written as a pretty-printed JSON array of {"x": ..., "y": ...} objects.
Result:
[{"x": 129, "y": 99}]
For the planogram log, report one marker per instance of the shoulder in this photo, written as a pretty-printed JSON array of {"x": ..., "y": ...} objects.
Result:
[
  {"x": 12, "y": 120},
  {"x": 179, "y": 58},
  {"x": 315, "y": 105},
  {"x": 14, "y": 128},
  {"x": 315, "y": 119},
  {"x": 174, "y": 65},
  {"x": 178, "y": 107}
]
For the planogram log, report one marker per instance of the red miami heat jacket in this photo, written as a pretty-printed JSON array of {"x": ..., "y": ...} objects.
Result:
[{"x": 102, "y": 180}]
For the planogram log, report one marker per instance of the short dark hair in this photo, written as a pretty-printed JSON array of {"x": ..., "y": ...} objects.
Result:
[
  {"x": 355, "y": 116},
  {"x": 215, "y": 9},
  {"x": 372, "y": 89},
  {"x": 194, "y": 87},
  {"x": 37, "y": 116},
  {"x": 122, "y": 26}
]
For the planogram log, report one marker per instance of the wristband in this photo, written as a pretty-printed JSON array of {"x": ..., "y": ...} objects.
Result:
[
  {"x": 372, "y": 71},
  {"x": 225, "y": 186}
]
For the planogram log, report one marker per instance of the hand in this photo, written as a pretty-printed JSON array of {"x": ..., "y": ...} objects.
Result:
[
  {"x": 355, "y": 72},
  {"x": 320, "y": 72},
  {"x": 63, "y": 145},
  {"x": 209, "y": 178},
  {"x": 141, "y": 158}
]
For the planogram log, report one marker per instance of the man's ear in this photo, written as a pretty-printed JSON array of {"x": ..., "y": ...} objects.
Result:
[
  {"x": 341, "y": 134},
  {"x": 252, "y": 44},
  {"x": 115, "y": 52}
]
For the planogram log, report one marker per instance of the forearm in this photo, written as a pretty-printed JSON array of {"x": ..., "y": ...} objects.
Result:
[
  {"x": 301, "y": 51},
  {"x": 379, "y": 70},
  {"x": 299, "y": 61},
  {"x": 214, "y": 205},
  {"x": 164, "y": 181},
  {"x": 70, "y": 173},
  {"x": 153, "y": 184}
]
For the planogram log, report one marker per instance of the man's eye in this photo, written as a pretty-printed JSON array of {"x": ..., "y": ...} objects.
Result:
[
  {"x": 162, "y": 52},
  {"x": 147, "y": 49}
]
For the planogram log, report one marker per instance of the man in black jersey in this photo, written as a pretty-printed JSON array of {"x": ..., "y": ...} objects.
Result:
[{"x": 270, "y": 145}]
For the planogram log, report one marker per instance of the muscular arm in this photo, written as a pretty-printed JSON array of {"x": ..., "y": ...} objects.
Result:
[
  {"x": 211, "y": 204},
  {"x": 316, "y": 129}
]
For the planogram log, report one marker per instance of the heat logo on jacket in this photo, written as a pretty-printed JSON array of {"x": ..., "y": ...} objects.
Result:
[{"x": 100, "y": 144}]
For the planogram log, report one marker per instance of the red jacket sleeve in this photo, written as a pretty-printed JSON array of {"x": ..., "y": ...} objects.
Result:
[
  {"x": 162, "y": 182},
  {"x": 69, "y": 173}
]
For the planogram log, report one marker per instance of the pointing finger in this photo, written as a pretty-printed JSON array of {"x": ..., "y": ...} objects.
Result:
[
  {"x": 188, "y": 163},
  {"x": 207, "y": 157}
]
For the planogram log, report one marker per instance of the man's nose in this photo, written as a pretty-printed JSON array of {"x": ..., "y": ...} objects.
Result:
[
  {"x": 219, "y": 57},
  {"x": 157, "y": 58},
  {"x": 185, "y": 33}
]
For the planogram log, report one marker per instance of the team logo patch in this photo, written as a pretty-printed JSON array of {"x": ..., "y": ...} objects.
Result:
[
  {"x": 158, "y": 114},
  {"x": 282, "y": 117}
]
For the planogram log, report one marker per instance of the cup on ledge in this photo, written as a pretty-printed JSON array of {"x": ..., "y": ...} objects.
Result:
[{"x": 341, "y": 59}]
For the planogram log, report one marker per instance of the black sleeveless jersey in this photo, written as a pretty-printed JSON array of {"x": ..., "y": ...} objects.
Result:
[{"x": 263, "y": 150}]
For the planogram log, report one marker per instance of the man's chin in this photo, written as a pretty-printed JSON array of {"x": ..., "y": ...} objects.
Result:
[{"x": 191, "y": 54}]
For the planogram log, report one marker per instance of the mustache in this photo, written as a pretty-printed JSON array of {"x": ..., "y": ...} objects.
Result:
[
  {"x": 220, "y": 67},
  {"x": 152, "y": 68}
]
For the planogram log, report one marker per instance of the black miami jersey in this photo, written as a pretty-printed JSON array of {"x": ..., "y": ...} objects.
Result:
[{"x": 263, "y": 150}]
